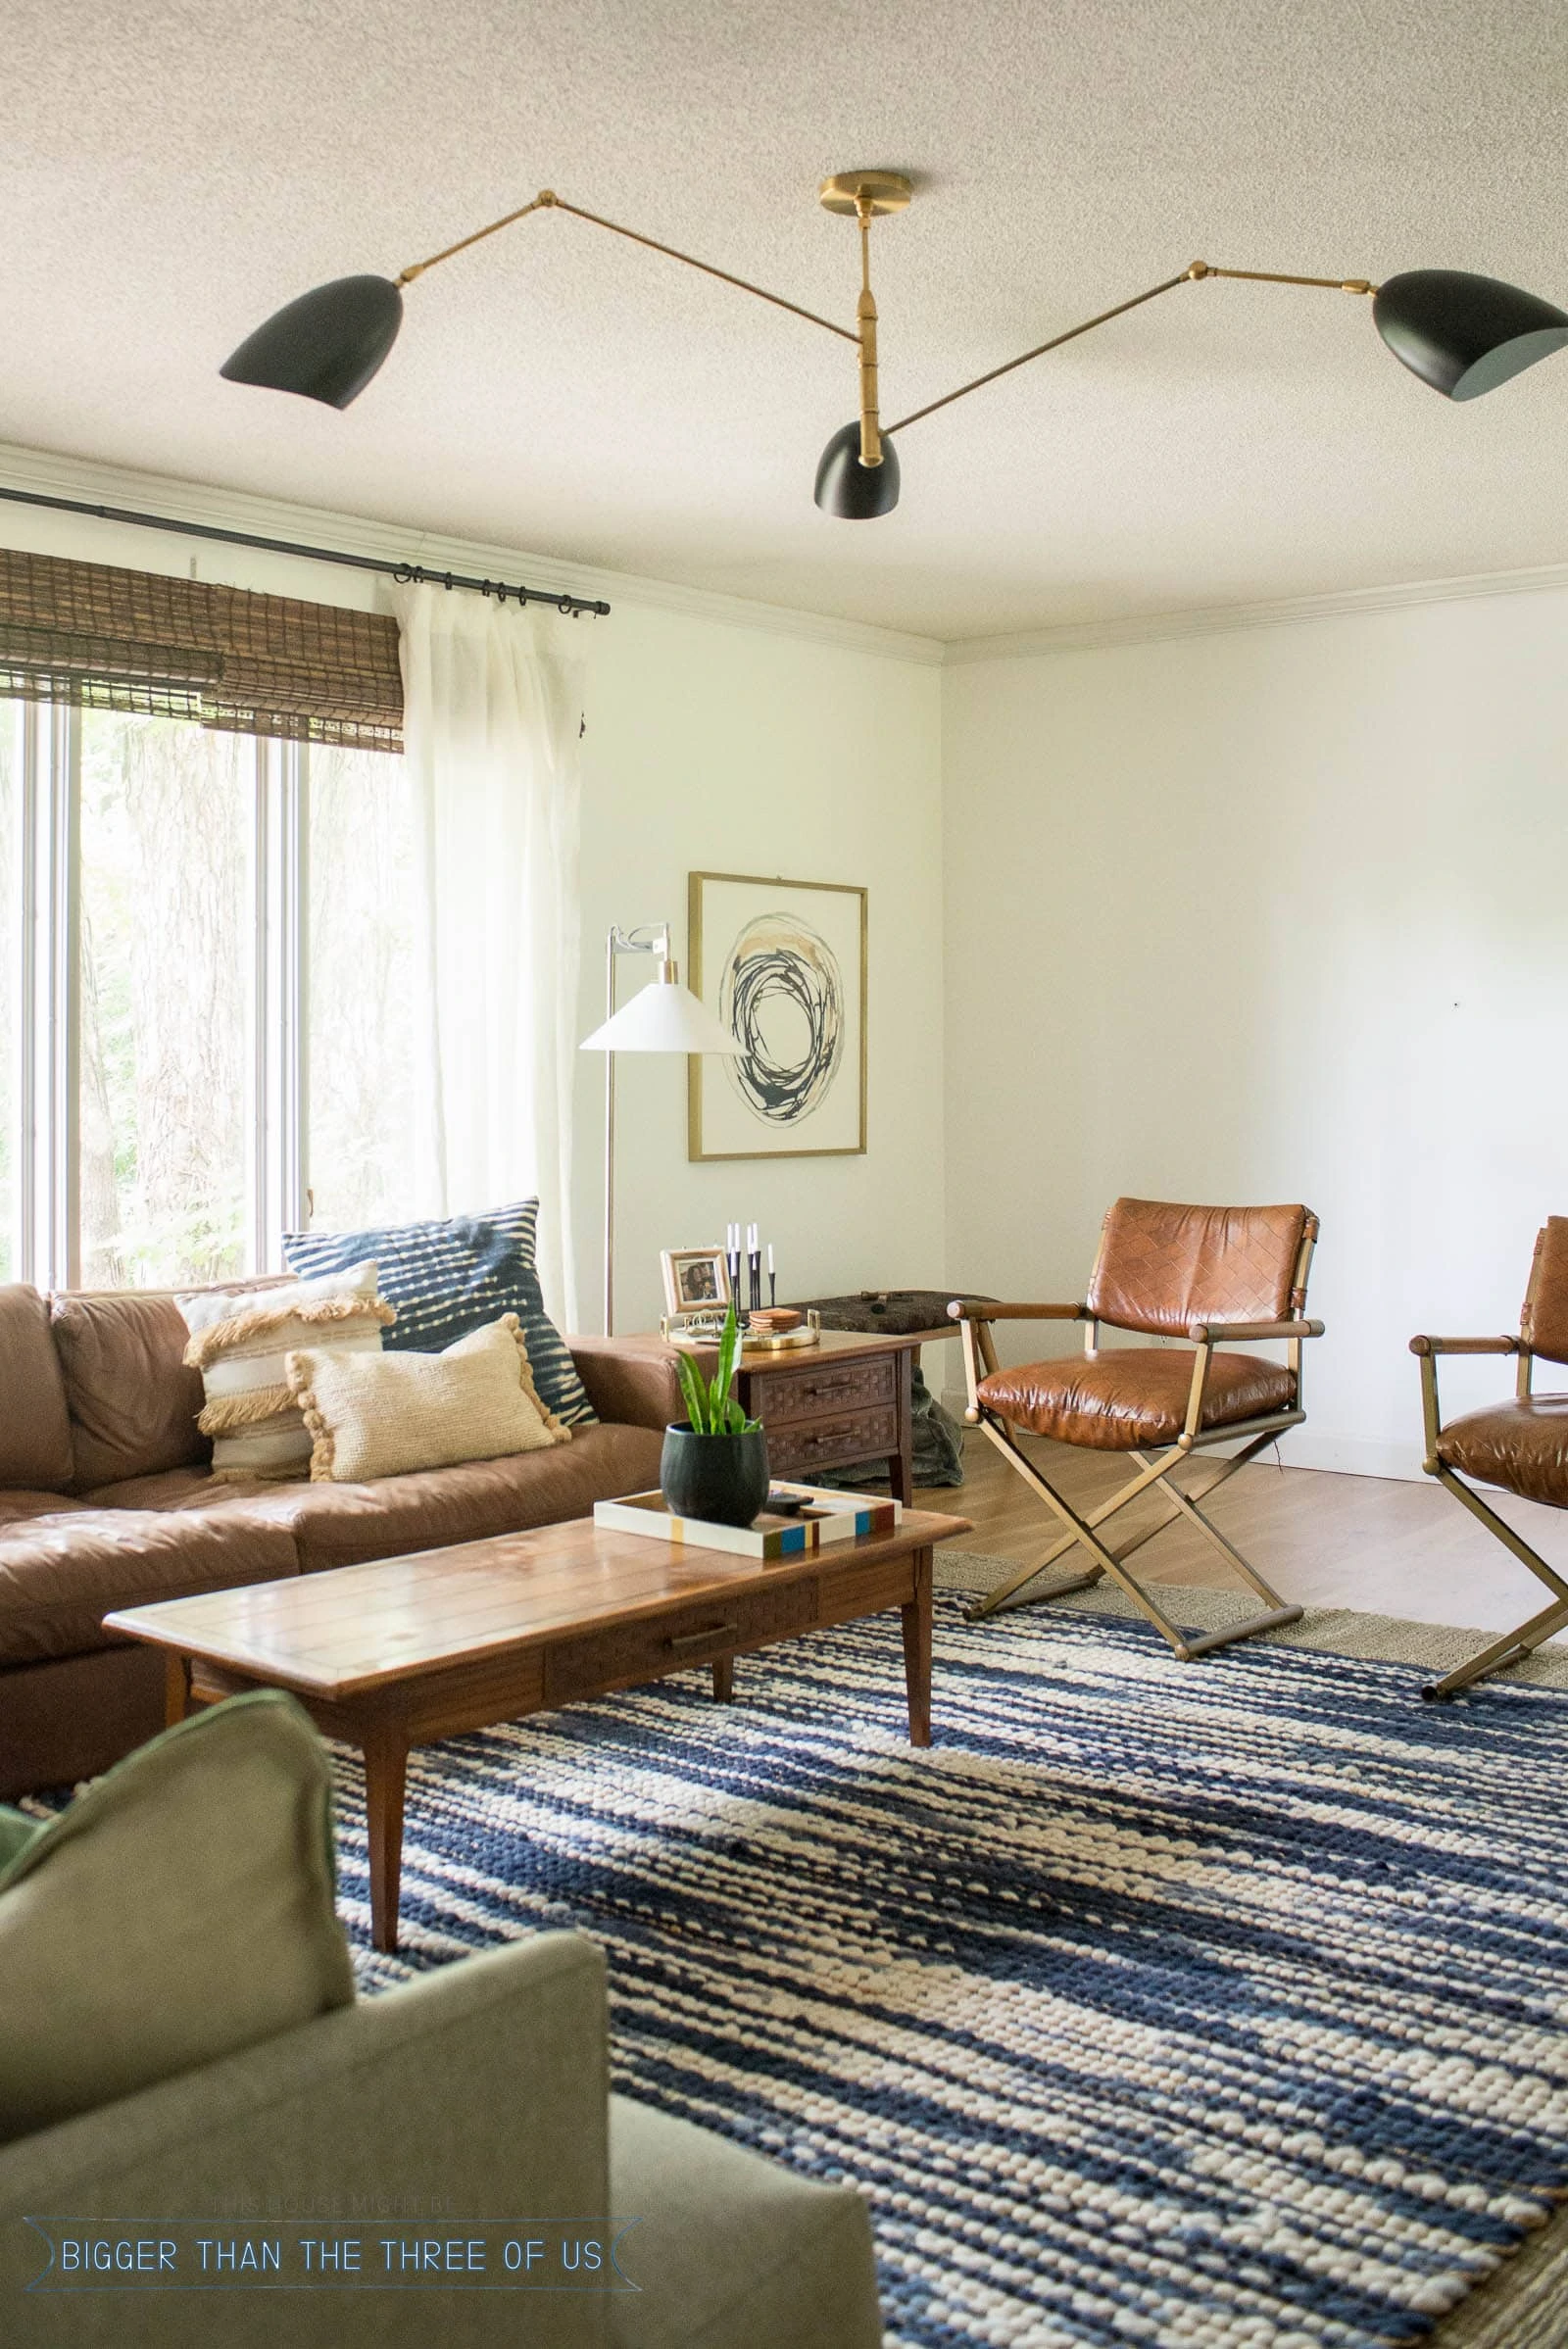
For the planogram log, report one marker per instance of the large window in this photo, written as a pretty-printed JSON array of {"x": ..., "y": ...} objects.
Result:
[
  {"x": 11, "y": 984},
  {"x": 358, "y": 1098},
  {"x": 165, "y": 849},
  {"x": 202, "y": 1000}
]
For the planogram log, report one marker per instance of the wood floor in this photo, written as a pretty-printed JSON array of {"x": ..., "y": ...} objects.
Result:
[{"x": 1385, "y": 1547}]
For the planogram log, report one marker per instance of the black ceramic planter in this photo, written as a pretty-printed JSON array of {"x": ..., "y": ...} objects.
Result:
[{"x": 720, "y": 1478}]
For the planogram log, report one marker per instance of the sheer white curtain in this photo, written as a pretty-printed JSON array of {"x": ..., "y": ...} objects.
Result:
[{"x": 492, "y": 711}]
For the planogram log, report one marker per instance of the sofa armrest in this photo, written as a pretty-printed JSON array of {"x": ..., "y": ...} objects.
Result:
[
  {"x": 630, "y": 1380},
  {"x": 477, "y": 2091},
  {"x": 734, "y": 2248}
]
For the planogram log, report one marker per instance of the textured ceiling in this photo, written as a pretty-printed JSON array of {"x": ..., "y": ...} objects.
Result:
[{"x": 170, "y": 173}]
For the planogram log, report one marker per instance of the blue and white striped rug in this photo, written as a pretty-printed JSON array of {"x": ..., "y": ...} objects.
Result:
[{"x": 1211, "y": 2005}]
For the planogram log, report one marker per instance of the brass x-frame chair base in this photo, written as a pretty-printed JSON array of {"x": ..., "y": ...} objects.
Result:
[
  {"x": 1514, "y": 1645},
  {"x": 1253, "y": 1435}
]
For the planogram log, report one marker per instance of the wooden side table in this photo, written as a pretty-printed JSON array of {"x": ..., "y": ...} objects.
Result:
[{"x": 836, "y": 1405}]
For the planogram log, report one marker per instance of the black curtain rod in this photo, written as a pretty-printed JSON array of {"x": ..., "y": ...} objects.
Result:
[{"x": 403, "y": 572}]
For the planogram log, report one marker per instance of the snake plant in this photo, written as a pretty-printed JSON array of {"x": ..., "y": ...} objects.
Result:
[{"x": 709, "y": 1405}]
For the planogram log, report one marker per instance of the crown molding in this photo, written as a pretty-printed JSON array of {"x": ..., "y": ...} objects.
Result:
[
  {"x": 273, "y": 518},
  {"x": 1094, "y": 636},
  {"x": 97, "y": 484}
]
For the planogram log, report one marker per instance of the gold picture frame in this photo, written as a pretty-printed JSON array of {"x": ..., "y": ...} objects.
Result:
[
  {"x": 811, "y": 942},
  {"x": 696, "y": 1279}
]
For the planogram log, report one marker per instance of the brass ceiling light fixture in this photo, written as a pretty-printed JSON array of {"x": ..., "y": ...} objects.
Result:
[{"x": 1462, "y": 333}]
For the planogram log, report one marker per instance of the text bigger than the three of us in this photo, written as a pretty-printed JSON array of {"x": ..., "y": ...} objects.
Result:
[{"x": 552, "y": 2259}]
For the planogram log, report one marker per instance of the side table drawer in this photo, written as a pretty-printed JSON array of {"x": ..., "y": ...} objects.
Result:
[
  {"x": 825, "y": 1387},
  {"x": 624, "y": 1654},
  {"x": 793, "y": 1450}
]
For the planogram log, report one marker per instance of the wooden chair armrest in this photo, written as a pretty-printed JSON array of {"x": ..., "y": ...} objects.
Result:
[
  {"x": 1220, "y": 1333},
  {"x": 984, "y": 1308},
  {"x": 1468, "y": 1345}
]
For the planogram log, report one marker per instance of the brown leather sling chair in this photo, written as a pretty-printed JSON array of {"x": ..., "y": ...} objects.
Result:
[
  {"x": 1521, "y": 1445},
  {"x": 1211, "y": 1275}
]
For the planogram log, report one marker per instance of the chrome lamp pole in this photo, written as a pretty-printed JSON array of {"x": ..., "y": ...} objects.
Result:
[{"x": 664, "y": 1017}]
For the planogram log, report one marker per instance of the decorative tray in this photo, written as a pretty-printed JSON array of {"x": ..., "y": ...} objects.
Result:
[
  {"x": 814, "y": 1520},
  {"x": 706, "y": 1328}
]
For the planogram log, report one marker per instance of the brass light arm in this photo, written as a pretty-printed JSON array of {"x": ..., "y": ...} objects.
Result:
[
  {"x": 1195, "y": 271},
  {"x": 1039, "y": 351},
  {"x": 1336, "y": 285},
  {"x": 548, "y": 201},
  {"x": 744, "y": 284},
  {"x": 417, "y": 268}
]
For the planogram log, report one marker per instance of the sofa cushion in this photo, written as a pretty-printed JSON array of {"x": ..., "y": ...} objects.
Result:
[
  {"x": 179, "y": 1909},
  {"x": 191, "y": 1488},
  {"x": 34, "y": 1422},
  {"x": 133, "y": 1401},
  {"x": 15, "y": 1506},
  {"x": 446, "y": 1278},
  {"x": 61, "y": 1574},
  {"x": 342, "y": 1524}
]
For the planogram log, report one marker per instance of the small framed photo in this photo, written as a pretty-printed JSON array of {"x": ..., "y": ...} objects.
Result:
[{"x": 696, "y": 1279}]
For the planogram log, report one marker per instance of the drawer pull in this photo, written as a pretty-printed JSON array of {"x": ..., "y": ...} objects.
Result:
[{"x": 716, "y": 1631}]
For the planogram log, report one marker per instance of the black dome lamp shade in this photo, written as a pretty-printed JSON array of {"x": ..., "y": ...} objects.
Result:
[
  {"x": 856, "y": 492},
  {"x": 1465, "y": 334},
  {"x": 326, "y": 346}
]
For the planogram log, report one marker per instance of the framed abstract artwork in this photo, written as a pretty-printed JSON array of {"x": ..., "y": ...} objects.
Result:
[{"x": 782, "y": 964}]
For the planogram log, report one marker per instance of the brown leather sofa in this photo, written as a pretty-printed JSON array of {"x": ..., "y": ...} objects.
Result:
[{"x": 107, "y": 1500}]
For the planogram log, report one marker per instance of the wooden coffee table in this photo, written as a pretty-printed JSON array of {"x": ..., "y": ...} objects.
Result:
[{"x": 403, "y": 1651}]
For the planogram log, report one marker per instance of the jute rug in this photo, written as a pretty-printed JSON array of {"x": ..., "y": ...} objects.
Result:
[
  {"x": 1335, "y": 1631},
  {"x": 1205, "y": 2005}
]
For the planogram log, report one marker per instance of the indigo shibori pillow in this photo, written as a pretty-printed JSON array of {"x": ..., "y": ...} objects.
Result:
[{"x": 449, "y": 1276}]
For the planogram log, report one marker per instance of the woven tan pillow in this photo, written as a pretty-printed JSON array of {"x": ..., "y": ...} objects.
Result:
[
  {"x": 239, "y": 1341},
  {"x": 375, "y": 1415}
]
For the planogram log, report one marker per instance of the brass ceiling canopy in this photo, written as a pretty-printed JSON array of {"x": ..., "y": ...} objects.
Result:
[
  {"x": 883, "y": 191},
  {"x": 1462, "y": 333}
]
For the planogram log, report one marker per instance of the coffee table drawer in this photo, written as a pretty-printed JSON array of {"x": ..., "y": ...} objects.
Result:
[
  {"x": 794, "y": 1452},
  {"x": 624, "y": 1654},
  {"x": 829, "y": 1388}
]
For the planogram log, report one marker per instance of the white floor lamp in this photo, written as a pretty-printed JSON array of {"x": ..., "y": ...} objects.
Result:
[{"x": 665, "y": 1018}]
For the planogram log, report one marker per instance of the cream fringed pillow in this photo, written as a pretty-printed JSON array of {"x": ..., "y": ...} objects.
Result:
[
  {"x": 239, "y": 1342},
  {"x": 389, "y": 1414}
]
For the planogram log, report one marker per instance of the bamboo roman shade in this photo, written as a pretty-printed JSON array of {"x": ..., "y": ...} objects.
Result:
[{"x": 243, "y": 663}]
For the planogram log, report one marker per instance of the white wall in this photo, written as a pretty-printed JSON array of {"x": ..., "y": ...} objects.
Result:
[
  {"x": 721, "y": 737},
  {"x": 1273, "y": 914},
  {"x": 725, "y": 748}
]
